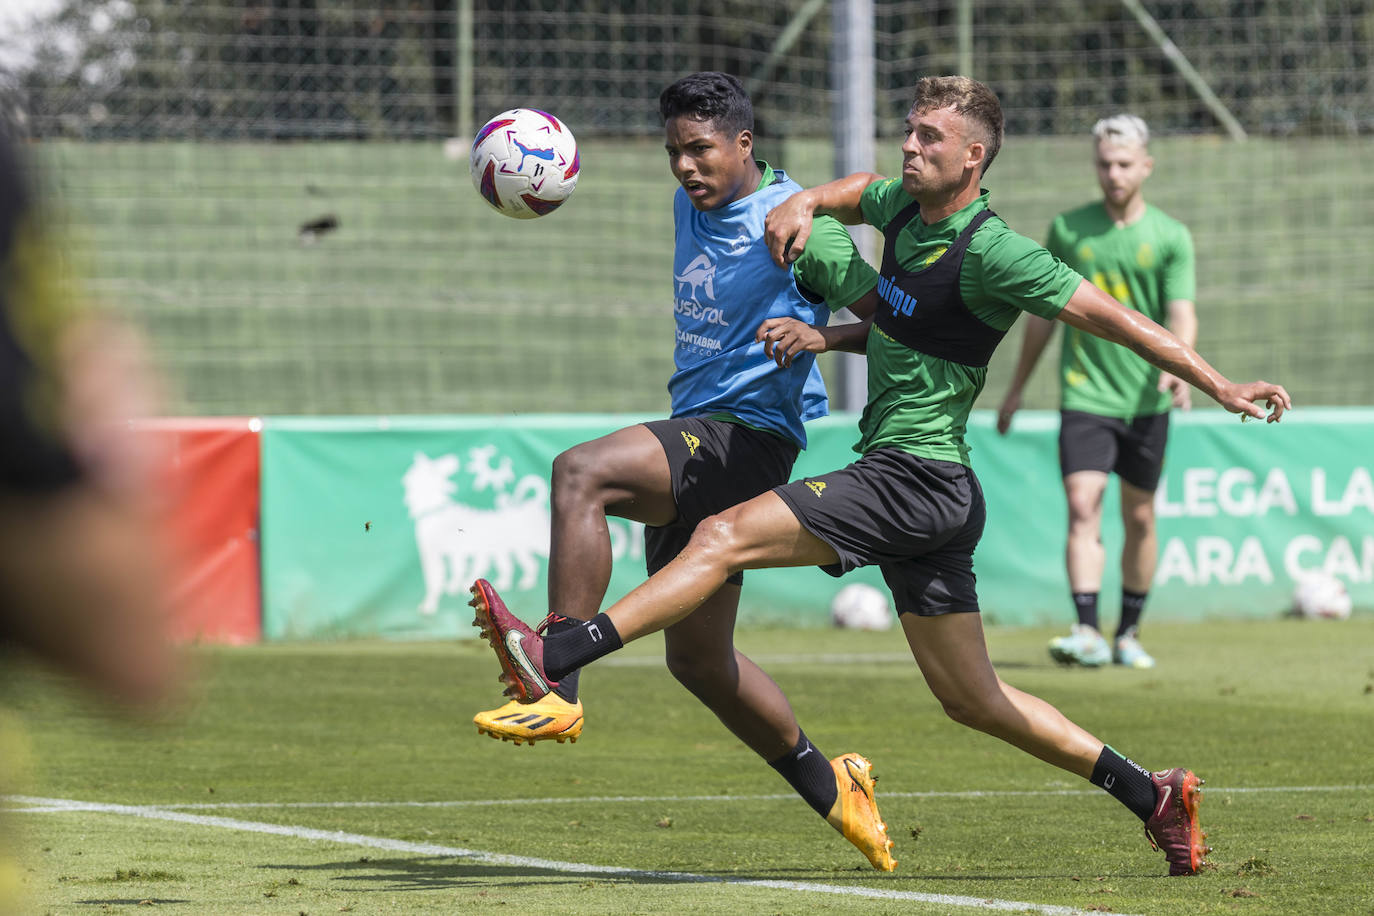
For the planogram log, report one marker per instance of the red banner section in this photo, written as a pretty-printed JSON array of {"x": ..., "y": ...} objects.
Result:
[{"x": 210, "y": 522}]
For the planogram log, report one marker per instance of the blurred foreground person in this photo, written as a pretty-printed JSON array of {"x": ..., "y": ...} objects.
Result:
[{"x": 79, "y": 573}]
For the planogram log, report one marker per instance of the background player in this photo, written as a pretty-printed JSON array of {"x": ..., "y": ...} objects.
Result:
[{"x": 1114, "y": 405}]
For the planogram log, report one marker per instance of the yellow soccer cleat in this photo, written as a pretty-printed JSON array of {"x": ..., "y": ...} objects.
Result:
[
  {"x": 548, "y": 718},
  {"x": 856, "y": 811}
]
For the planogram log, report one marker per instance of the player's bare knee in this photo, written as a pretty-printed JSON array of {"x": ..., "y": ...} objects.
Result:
[
  {"x": 968, "y": 709},
  {"x": 576, "y": 473},
  {"x": 1138, "y": 522},
  {"x": 716, "y": 541},
  {"x": 1084, "y": 515}
]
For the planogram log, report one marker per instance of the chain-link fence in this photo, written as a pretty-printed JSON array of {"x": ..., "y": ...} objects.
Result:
[{"x": 267, "y": 184}]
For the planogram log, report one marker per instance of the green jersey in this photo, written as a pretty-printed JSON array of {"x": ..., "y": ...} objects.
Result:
[
  {"x": 920, "y": 403},
  {"x": 1145, "y": 266}
]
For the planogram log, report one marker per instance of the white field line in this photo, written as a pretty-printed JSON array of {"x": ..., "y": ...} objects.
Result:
[
  {"x": 526, "y": 862},
  {"x": 39, "y": 805}
]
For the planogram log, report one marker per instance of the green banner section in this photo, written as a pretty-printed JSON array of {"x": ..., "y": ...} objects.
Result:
[
  {"x": 377, "y": 525},
  {"x": 1244, "y": 511}
]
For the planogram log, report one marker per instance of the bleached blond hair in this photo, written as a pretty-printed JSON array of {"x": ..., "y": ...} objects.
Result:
[{"x": 1122, "y": 130}]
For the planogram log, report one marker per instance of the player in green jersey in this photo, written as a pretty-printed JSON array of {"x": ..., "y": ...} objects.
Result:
[
  {"x": 953, "y": 278},
  {"x": 1114, "y": 405}
]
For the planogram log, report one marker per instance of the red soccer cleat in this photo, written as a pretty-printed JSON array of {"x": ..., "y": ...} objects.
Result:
[
  {"x": 1173, "y": 825},
  {"x": 520, "y": 649}
]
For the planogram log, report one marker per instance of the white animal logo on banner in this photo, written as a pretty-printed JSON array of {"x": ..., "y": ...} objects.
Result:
[{"x": 459, "y": 543}]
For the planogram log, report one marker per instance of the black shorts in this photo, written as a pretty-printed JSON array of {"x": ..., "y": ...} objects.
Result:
[
  {"x": 1132, "y": 449},
  {"x": 715, "y": 465},
  {"x": 917, "y": 519}
]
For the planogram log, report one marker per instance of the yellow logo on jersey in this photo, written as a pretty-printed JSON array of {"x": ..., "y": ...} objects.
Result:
[
  {"x": 1113, "y": 285},
  {"x": 936, "y": 255},
  {"x": 692, "y": 442},
  {"x": 1085, "y": 252},
  {"x": 1145, "y": 256},
  {"x": 1074, "y": 374},
  {"x": 816, "y": 486}
]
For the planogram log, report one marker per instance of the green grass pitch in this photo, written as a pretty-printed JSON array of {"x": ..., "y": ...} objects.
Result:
[{"x": 348, "y": 778}]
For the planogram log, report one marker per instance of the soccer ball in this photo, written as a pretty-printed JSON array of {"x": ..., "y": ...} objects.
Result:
[
  {"x": 524, "y": 163},
  {"x": 1320, "y": 595},
  {"x": 861, "y": 607}
]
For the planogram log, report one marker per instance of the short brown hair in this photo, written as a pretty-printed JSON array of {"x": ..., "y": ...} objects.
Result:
[{"x": 972, "y": 99}]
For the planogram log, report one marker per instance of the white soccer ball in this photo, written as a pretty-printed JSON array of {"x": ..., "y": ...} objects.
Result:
[
  {"x": 1322, "y": 596},
  {"x": 524, "y": 163},
  {"x": 861, "y": 607}
]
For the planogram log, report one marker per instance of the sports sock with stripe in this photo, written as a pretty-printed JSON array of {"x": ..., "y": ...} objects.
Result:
[
  {"x": 565, "y": 652},
  {"x": 807, "y": 771},
  {"x": 1085, "y": 605},
  {"x": 1125, "y": 780},
  {"x": 567, "y": 684},
  {"x": 1132, "y": 605}
]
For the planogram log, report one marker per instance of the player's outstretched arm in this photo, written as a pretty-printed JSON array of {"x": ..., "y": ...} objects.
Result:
[
  {"x": 1182, "y": 319},
  {"x": 1033, "y": 342},
  {"x": 788, "y": 225},
  {"x": 1093, "y": 311},
  {"x": 784, "y": 338}
]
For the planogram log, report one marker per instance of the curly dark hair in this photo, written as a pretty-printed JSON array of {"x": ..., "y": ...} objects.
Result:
[{"x": 717, "y": 98}]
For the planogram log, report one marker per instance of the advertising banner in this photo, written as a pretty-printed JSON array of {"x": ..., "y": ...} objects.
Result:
[
  {"x": 377, "y": 526},
  {"x": 1244, "y": 511},
  {"x": 209, "y": 521}
]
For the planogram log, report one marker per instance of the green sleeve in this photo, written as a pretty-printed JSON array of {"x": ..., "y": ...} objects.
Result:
[
  {"x": 831, "y": 267},
  {"x": 883, "y": 200},
  {"x": 1015, "y": 271},
  {"x": 1055, "y": 241},
  {"x": 1180, "y": 270}
]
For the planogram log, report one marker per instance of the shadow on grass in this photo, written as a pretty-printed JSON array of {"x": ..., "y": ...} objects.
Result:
[{"x": 439, "y": 873}]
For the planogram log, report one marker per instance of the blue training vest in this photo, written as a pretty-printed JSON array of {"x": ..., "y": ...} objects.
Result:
[{"x": 725, "y": 285}]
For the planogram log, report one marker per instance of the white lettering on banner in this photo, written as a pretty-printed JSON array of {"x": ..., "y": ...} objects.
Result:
[
  {"x": 1213, "y": 559},
  {"x": 1252, "y": 562},
  {"x": 1306, "y": 554},
  {"x": 1198, "y": 492},
  {"x": 627, "y": 539},
  {"x": 1231, "y": 491},
  {"x": 1210, "y": 559},
  {"x": 1359, "y": 493}
]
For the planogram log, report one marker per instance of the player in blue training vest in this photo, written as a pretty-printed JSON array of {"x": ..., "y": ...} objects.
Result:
[
  {"x": 738, "y": 408},
  {"x": 725, "y": 284}
]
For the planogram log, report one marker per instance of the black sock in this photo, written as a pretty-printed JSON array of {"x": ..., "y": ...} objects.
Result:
[
  {"x": 807, "y": 771},
  {"x": 1085, "y": 603},
  {"x": 565, "y": 652},
  {"x": 567, "y": 684},
  {"x": 1132, "y": 604},
  {"x": 1126, "y": 781}
]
